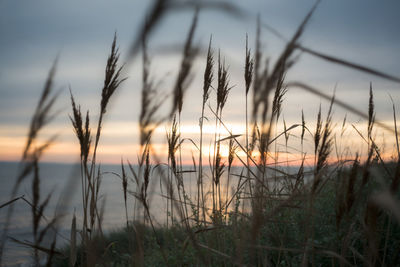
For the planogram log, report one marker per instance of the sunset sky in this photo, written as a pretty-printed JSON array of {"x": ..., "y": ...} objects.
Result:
[{"x": 34, "y": 33}]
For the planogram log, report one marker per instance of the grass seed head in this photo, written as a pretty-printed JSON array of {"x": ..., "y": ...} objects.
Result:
[
  {"x": 248, "y": 68},
  {"x": 208, "y": 73},
  {"x": 112, "y": 78},
  {"x": 223, "y": 84}
]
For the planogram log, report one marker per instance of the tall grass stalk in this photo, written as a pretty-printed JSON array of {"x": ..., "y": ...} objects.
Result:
[
  {"x": 218, "y": 167},
  {"x": 31, "y": 156},
  {"x": 90, "y": 180},
  {"x": 208, "y": 78}
]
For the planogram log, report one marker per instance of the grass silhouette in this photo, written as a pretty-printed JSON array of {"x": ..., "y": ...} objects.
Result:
[{"x": 341, "y": 211}]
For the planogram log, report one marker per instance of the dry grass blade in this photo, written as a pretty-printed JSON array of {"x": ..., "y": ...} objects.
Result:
[
  {"x": 274, "y": 79},
  {"x": 150, "y": 101},
  {"x": 82, "y": 130},
  {"x": 125, "y": 189},
  {"x": 52, "y": 253},
  {"x": 299, "y": 177},
  {"x": 395, "y": 129},
  {"x": 303, "y": 127},
  {"x": 285, "y": 132},
  {"x": 41, "y": 115},
  {"x": 90, "y": 182},
  {"x": 371, "y": 113},
  {"x": 334, "y": 59},
  {"x": 366, "y": 171},
  {"x": 324, "y": 147},
  {"x": 223, "y": 84},
  {"x": 43, "y": 249},
  {"x": 219, "y": 166},
  {"x": 257, "y": 62},
  {"x": 173, "y": 144},
  {"x": 280, "y": 91},
  {"x": 146, "y": 174},
  {"x": 112, "y": 78},
  {"x": 284, "y": 57},
  {"x": 10, "y": 202},
  {"x": 326, "y": 142},
  {"x": 72, "y": 257},
  {"x": 350, "y": 194},
  {"x": 224, "y": 6},
  {"x": 231, "y": 155},
  {"x": 208, "y": 74},
  {"x": 183, "y": 79},
  {"x": 208, "y": 78},
  {"x": 160, "y": 9},
  {"x": 35, "y": 199},
  {"x": 396, "y": 179},
  {"x": 50, "y": 223},
  {"x": 348, "y": 64},
  {"x": 248, "y": 77},
  {"x": 338, "y": 102},
  {"x": 248, "y": 67},
  {"x": 153, "y": 17},
  {"x": 112, "y": 81},
  {"x": 230, "y": 137},
  {"x": 318, "y": 129}
]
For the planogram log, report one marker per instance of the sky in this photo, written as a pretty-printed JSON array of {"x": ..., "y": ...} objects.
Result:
[{"x": 34, "y": 33}]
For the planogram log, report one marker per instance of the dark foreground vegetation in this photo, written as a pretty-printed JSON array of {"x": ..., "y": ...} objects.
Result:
[
  {"x": 340, "y": 234},
  {"x": 343, "y": 211}
]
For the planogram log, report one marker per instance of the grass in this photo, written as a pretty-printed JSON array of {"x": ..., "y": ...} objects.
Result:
[{"x": 341, "y": 211}]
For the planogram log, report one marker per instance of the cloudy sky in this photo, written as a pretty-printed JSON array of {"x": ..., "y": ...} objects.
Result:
[{"x": 34, "y": 33}]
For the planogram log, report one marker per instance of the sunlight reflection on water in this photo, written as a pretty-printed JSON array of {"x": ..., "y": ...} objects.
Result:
[{"x": 64, "y": 180}]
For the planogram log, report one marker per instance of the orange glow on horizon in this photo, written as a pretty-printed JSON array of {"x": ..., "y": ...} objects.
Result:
[{"x": 120, "y": 141}]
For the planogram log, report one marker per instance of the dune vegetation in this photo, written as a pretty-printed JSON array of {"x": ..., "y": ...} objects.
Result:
[{"x": 252, "y": 210}]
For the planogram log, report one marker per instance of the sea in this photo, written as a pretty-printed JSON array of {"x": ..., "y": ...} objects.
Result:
[{"x": 63, "y": 182}]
